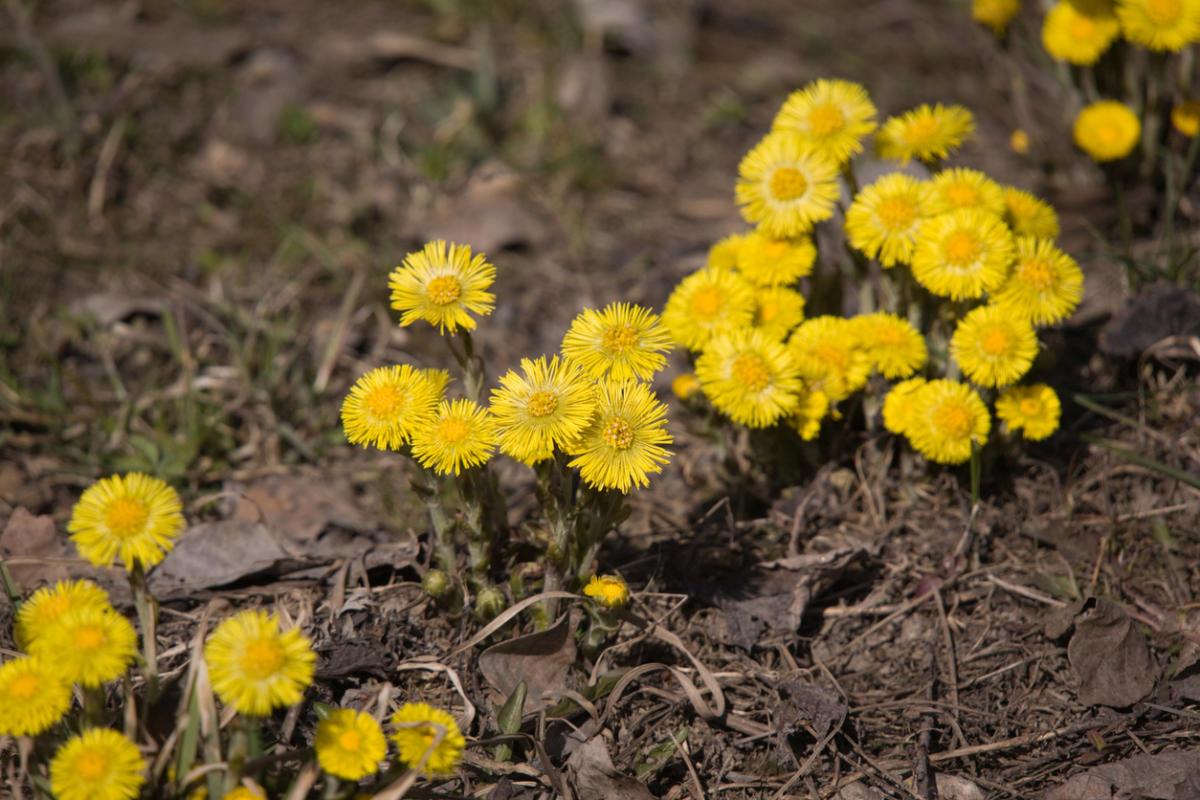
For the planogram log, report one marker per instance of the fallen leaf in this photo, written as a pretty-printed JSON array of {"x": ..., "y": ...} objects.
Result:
[
  {"x": 775, "y": 594},
  {"x": 36, "y": 537},
  {"x": 1172, "y": 775},
  {"x": 1157, "y": 312},
  {"x": 541, "y": 659},
  {"x": 595, "y": 778},
  {"x": 215, "y": 554},
  {"x": 1110, "y": 656},
  {"x": 803, "y": 705},
  {"x": 859, "y": 791},
  {"x": 299, "y": 507},
  {"x": 954, "y": 787},
  {"x": 490, "y": 214}
]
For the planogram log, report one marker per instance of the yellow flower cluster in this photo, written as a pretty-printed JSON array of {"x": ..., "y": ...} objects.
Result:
[
  {"x": 590, "y": 402},
  {"x": 987, "y": 248}
]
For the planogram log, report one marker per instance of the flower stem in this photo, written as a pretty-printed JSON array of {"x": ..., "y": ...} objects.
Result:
[{"x": 147, "y": 611}]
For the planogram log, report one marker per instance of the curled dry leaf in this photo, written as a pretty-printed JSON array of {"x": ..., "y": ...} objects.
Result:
[
  {"x": 595, "y": 778},
  {"x": 541, "y": 659},
  {"x": 1110, "y": 656}
]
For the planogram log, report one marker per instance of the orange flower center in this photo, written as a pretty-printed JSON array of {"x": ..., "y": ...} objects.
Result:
[
  {"x": 889, "y": 335},
  {"x": 453, "y": 429},
  {"x": 618, "y": 434},
  {"x": 1030, "y": 407},
  {"x": 776, "y": 249},
  {"x": 89, "y": 638},
  {"x": 707, "y": 301},
  {"x": 826, "y": 119},
  {"x": 1108, "y": 132},
  {"x": 612, "y": 592},
  {"x": 24, "y": 687},
  {"x": 1036, "y": 272},
  {"x": 126, "y": 516},
  {"x": 962, "y": 195},
  {"x": 751, "y": 371},
  {"x": 444, "y": 289},
  {"x": 953, "y": 420},
  {"x": 350, "y": 740},
  {"x": 54, "y": 606},
  {"x": 962, "y": 247},
  {"x": 920, "y": 131},
  {"x": 1081, "y": 28},
  {"x": 995, "y": 342},
  {"x": 897, "y": 213},
  {"x": 767, "y": 312},
  {"x": 831, "y": 355},
  {"x": 788, "y": 183},
  {"x": 386, "y": 402},
  {"x": 262, "y": 659},
  {"x": 1163, "y": 12},
  {"x": 542, "y": 403},
  {"x": 619, "y": 339},
  {"x": 91, "y": 765}
]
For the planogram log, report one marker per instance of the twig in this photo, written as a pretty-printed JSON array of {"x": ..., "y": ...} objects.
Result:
[
  {"x": 951, "y": 666},
  {"x": 104, "y": 162},
  {"x": 1018, "y": 741},
  {"x": 687, "y": 759}
]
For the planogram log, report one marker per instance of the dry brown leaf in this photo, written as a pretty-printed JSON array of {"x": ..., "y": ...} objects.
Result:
[
  {"x": 299, "y": 507},
  {"x": 1110, "y": 656},
  {"x": 541, "y": 659},
  {"x": 775, "y": 593},
  {"x": 1172, "y": 775},
  {"x": 489, "y": 214},
  {"x": 595, "y": 778},
  {"x": 215, "y": 554},
  {"x": 36, "y": 537}
]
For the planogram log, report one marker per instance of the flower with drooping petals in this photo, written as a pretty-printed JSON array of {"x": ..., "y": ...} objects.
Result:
[
  {"x": 1034, "y": 410},
  {"x": 443, "y": 285},
  {"x": 926, "y": 133}
]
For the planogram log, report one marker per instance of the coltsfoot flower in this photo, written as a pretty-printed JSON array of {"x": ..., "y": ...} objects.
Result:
[
  {"x": 898, "y": 406},
  {"x": 89, "y": 645},
  {"x": 624, "y": 442},
  {"x": 785, "y": 185},
  {"x": 1045, "y": 286},
  {"x": 926, "y": 133},
  {"x": 1071, "y": 34},
  {"x": 885, "y": 216},
  {"x": 421, "y": 730},
  {"x": 1034, "y": 410},
  {"x": 386, "y": 405},
  {"x": 834, "y": 115},
  {"x": 1160, "y": 24},
  {"x": 461, "y": 435},
  {"x": 45, "y": 606},
  {"x": 33, "y": 696},
  {"x": 961, "y": 188},
  {"x": 1029, "y": 215},
  {"x": 99, "y": 764},
  {"x": 607, "y": 590},
  {"x": 893, "y": 345},
  {"x": 962, "y": 254},
  {"x": 750, "y": 377},
  {"x": 255, "y": 667},
  {"x": 706, "y": 303},
  {"x": 621, "y": 341},
  {"x": 947, "y": 416},
  {"x": 830, "y": 356},
  {"x": 766, "y": 261},
  {"x": 443, "y": 285},
  {"x": 1107, "y": 130},
  {"x": 134, "y": 517},
  {"x": 350, "y": 744},
  {"x": 993, "y": 347}
]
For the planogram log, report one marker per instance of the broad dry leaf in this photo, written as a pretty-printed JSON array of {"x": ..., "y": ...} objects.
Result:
[
  {"x": 594, "y": 777},
  {"x": 1110, "y": 656},
  {"x": 1171, "y": 775},
  {"x": 541, "y": 659}
]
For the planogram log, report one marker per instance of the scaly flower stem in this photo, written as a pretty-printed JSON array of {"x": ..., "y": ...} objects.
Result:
[
  {"x": 93, "y": 706},
  {"x": 147, "y": 611},
  {"x": 479, "y": 539},
  {"x": 426, "y": 485},
  {"x": 472, "y": 365}
]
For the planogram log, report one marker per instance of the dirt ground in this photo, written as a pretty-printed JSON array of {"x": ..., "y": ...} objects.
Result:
[{"x": 200, "y": 202}]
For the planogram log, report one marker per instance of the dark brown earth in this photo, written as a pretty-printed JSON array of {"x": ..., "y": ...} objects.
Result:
[{"x": 199, "y": 205}]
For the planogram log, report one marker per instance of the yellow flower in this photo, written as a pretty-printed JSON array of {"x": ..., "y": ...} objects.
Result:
[
  {"x": 962, "y": 254},
  {"x": 88, "y": 645},
  {"x": 443, "y": 285},
  {"x": 724, "y": 254},
  {"x": 349, "y": 744},
  {"x": 946, "y": 417},
  {"x": 1069, "y": 34},
  {"x": 750, "y": 377},
  {"x": 892, "y": 344},
  {"x": 1107, "y": 130},
  {"x": 98, "y": 764},
  {"x": 926, "y": 133},
  {"x": 1028, "y": 215},
  {"x": 244, "y": 792},
  {"x": 624, "y": 440},
  {"x": 996, "y": 14},
  {"x": 386, "y": 405},
  {"x": 1185, "y": 117},
  {"x": 33, "y": 696},
  {"x": 961, "y": 188},
  {"x": 136, "y": 517},
  {"x": 706, "y": 303},
  {"x": 429, "y": 735},
  {"x": 256, "y": 667},
  {"x": 830, "y": 356},
  {"x": 546, "y": 407},
  {"x": 898, "y": 405},
  {"x": 1033, "y": 409},
  {"x": 777, "y": 310},
  {"x": 1019, "y": 142},
  {"x": 607, "y": 590},
  {"x": 833, "y": 115},
  {"x": 620, "y": 342},
  {"x": 993, "y": 347},
  {"x": 461, "y": 435},
  {"x": 882, "y": 221},
  {"x": 47, "y": 605},
  {"x": 1046, "y": 283},
  {"x": 785, "y": 186},
  {"x": 1160, "y": 24},
  {"x": 806, "y": 417},
  {"x": 765, "y": 261},
  {"x": 685, "y": 384}
]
